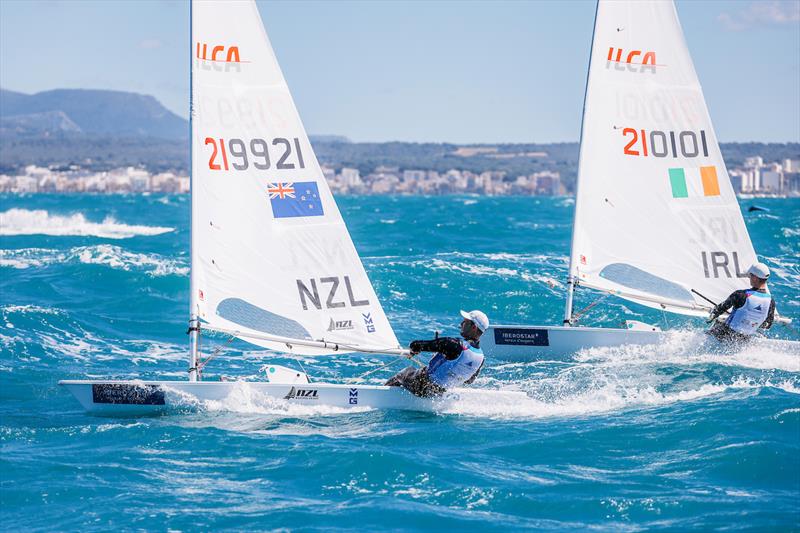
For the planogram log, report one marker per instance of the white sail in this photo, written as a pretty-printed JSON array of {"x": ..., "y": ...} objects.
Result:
[
  {"x": 656, "y": 215},
  {"x": 271, "y": 256}
]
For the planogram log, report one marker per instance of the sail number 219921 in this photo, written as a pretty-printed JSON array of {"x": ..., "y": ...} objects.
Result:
[{"x": 240, "y": 154}]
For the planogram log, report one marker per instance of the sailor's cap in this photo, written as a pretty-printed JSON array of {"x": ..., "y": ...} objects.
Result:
[
  {"x": 478, "y": 318},
  {"x": 759, "y": 270}
]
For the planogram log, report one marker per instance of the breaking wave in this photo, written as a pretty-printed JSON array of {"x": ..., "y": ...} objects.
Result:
[
  {"x": 40, "y": 222},
  {"x": 102, "y": 254}
]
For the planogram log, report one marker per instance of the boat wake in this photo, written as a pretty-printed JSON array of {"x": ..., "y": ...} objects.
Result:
[
  {"x": 40, "y": 222},
  {"x": 694, "y": 347},
  {"x": 605, "y": 380}
]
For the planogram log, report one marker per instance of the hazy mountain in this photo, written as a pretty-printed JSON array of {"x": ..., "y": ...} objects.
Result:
[
  {"x": 86, "y": 111},
  {"x": 47, "y": 124}
]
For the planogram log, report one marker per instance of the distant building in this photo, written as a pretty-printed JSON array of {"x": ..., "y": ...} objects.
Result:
[
  {"x": 771, "y": 181},
  {"x": 754, "y": 162},
  {"x": 351, "y": 177},
  {"x": 329, "y": 173},
  {"x": 27, "y": 184},
  {"x": 791, "y": 182},
  {"x": 738, "y": 178},
  {"x": 414, "y": 175},
  {"x": 791, "y": 165}
]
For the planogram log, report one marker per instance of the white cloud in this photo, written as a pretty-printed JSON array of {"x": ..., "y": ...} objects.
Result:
[
  {"x": 762, "y": 13},
  {"x": 150, "y": 44}
]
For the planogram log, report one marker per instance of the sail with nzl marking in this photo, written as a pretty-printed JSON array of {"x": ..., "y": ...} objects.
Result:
[
  {"x": 271, "y": 256},
  {"x": 656, "y": 215}
]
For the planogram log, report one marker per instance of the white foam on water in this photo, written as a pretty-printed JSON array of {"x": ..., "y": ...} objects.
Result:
[
  {"x": 568, "y": 201},
  {"x": 791, "y": 411},
  {"x": 595, "y": 400},
  {"x": 101, "y": 254},
  {"x": 604, "y": 380},
  {"x": 547, "y": 280},
  {"x": 116, "y": 257},
  {"x": 32, "y": 309},
  {"x": 568, "y": 395},
  {"x": 28, "y": 257},
  {"x": 471, "y": 268},
  {"x": 40, "y": 222},
  {"x": 7, "y": 311},
  {"x": 693, "y": 347}
]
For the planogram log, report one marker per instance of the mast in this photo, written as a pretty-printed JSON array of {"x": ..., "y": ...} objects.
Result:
[
  {"x": 194, "y": 322},
  {"x": 571, "y": 281}
]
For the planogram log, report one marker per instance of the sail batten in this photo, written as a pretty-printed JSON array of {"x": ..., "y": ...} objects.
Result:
[
  {"x": 655, "y": 212},
  {"x": 289, "y": 343},
  {"x": 648, "y": 300},
  {"x": 271, "y": 255}
]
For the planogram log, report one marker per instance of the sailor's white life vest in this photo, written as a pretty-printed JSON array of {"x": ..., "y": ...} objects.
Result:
[
  {"x": 747, "y": 319},
  {"x": 453, "y": 373}
]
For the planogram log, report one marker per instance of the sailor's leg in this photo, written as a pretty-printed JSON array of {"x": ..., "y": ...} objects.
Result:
[
  {"x": 720, "y": 331},
  {"x": 400, "y": 378},
  {"x": 420, "y": 384},
  {"x": 730, "y": 339}
]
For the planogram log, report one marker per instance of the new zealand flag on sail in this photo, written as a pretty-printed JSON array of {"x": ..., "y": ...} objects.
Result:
[{"x": 298, "y": 199}]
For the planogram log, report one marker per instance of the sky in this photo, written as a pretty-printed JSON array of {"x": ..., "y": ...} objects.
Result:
[{"x": 436, "y": 71}]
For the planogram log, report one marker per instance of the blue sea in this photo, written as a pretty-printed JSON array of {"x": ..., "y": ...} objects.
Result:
[{"x": 614, "y": 440}]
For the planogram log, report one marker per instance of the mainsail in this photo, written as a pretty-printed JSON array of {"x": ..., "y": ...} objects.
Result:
[
  {"x": 271, "y": 256},
  {"x": 656, "y": 215}
]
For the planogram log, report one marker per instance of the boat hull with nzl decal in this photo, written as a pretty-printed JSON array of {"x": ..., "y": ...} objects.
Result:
[{"x": 162, "y": 397}]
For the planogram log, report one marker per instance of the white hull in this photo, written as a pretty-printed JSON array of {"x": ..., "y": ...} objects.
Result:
[
  {"x": 561, "y": 343},
  {"x": 159, "y": 397},
  {"x": 554, "y": 343}
]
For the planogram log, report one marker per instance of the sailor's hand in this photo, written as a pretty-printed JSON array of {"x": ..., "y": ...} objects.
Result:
[{"x": 415, "y": 347}]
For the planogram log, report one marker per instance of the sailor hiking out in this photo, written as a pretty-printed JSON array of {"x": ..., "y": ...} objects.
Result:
[
  {"x": 752, "y": 309},
  {"x": 457, "y": 361}
]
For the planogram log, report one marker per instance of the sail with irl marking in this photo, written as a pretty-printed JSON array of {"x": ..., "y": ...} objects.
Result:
[
  {"x": 271, "y": 256},
  {"x": 656, "y": 215}
]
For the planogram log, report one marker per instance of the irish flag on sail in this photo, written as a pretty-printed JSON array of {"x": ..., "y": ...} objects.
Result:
[
  {"x": 694, "y": 182},
  {"x": 653, "y": 194}
]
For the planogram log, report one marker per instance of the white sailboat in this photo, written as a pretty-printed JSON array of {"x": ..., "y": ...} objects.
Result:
[
  {"x": 656, "y": 218},
  {"x": 272, "y": 261}
]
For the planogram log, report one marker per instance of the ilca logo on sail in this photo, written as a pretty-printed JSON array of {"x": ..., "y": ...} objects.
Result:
[
  {"x": 622, "y": 60},
  {"x": 221, "y": 57}
]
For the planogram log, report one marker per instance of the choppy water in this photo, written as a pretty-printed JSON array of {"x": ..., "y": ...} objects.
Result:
[{"x": 617, "y": 440}]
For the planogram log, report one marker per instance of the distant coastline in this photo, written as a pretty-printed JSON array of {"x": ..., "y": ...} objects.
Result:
[
  {"x": 96, "y": 141},
  {"x": 754, "y": 177}
]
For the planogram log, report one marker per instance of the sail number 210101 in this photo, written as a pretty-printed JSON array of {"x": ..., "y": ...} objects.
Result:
[
  {"x": 240, "y": 154},
  {"x": 665, "y": 143}
]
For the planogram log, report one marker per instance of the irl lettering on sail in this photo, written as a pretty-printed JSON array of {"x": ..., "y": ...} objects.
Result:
[{"x": 720, "y": 263}]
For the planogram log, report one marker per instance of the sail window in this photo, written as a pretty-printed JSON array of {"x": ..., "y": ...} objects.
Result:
[
  {"x": 250, "y": 316},
  {"x": 635, "y": 278}
]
